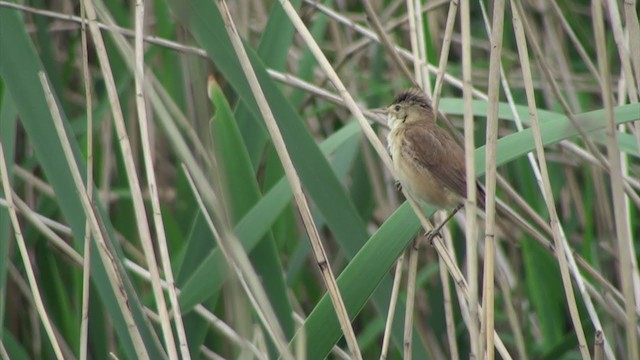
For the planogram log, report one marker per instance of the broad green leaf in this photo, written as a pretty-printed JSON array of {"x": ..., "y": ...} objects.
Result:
[
  {"x": 589, "y": 121},
  {"x": 250, "y": 229},
  {"x": 241, "y": 192},
  {"x": 8, "y": 117}
]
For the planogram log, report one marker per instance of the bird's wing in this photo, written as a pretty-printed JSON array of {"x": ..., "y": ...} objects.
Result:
[{"x": 433, "y": 150}]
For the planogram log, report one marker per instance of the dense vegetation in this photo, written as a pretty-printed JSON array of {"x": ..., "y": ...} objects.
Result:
[{"x": 230, "y": 190}]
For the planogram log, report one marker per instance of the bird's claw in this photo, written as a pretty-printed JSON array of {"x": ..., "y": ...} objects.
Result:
[{"x": 431, "y": 234}]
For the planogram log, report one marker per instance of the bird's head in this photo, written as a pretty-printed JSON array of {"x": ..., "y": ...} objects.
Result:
[{"x": 408, "y": 107}]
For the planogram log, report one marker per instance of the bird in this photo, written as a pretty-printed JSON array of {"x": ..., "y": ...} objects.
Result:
[{"x": 428, "y": 163}]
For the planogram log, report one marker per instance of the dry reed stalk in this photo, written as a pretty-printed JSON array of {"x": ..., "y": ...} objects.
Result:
[
  {"x": 492, "y": 138},
  {"x": 471, "y": 235},
  {"x": 147, "y": 156},
  {"x": 620, "y": 210},
  {"x": 24, "y": 254},
  {"x": 104, "y": 249},
  {"x": 448, "y": 310},
  {"x": 397, "y": 280},
  {"x": 86, "y": 268},
  {"x": 413, "y": 253},
  {"x": 142, "y": 223}
]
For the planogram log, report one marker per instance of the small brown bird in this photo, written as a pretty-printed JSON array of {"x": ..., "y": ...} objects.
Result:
[{"x": 429, "y": 164}]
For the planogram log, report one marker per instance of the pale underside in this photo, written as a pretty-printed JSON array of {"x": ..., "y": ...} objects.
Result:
[{"x": 415, "y": 176}]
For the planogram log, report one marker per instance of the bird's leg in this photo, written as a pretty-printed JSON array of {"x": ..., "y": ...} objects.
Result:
[{"x": 436, "y": 231}]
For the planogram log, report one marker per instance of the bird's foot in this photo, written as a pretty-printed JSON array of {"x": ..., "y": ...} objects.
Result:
[
  {"x": 431, "y": 234},
  {"x": 398, "y": 186}
]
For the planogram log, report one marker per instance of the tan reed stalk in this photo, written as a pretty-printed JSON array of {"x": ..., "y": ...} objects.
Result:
[
  {"x": 448, "y": 310},
  {"x": 492, "y": 137},
  {"x": 413, "y": 252},
  {"x": 444, "y": 53},
  {"x": 574, "y": 39},
  {"x": 598, "y": 349},
  {"x": 441, "y": 216},
  {"x": 625, "y": 169},
  {"x": 104, "y": 249},
  {"x": 24, "y": 254},
  {"x": 86, "y": 268},
  {"x": 621, "y": 215},
  {"x": 210, "y": 354},
  {"x": 44, "y": 225},
  {"x": 23, "y": 287},
  {"x": 228, "y": 332},
  {"x": 422, "y": 47},
  {"x": 258, "y": 339},
  {"x": 623, "y": 50},
  {"x": 147, "y": 157},
  {"x": 33, "y": 181},
  {"x": 631, "y": 41},
  {"x": 385, "y": 41},
  {"x": 471, "y": 234},
  {"x": 132, "y": 177},
  {"x": 105, "y": 137},
  {"x": 415, "y": 51},
  {"x": 633, "y": 29},
  {"x": 397, "y": 280},
  {"x": 555, "y": 51},
  {"x": 3, "y": 351},
  {"x": 514, "y": 322}
]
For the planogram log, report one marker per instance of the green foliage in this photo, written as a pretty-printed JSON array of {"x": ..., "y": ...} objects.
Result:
[{"x": 350, "y": 192}]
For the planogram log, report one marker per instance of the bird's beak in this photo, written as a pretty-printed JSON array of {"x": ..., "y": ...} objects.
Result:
[
  {"x": 380, "y": 111},
  {"x": 378, "y": 115}
]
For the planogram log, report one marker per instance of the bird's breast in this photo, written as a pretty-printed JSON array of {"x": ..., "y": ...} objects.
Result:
[{"x": 416, "y": 178}]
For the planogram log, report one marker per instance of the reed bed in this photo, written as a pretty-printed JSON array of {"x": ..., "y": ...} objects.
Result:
[{"x": 206, "y": 179}]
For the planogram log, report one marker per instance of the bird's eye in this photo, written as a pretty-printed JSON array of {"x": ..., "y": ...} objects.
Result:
[{"x": 397, "y": 108}]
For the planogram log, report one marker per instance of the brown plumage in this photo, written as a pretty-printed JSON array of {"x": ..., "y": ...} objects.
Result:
[{"x": 428, "y": 162}]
